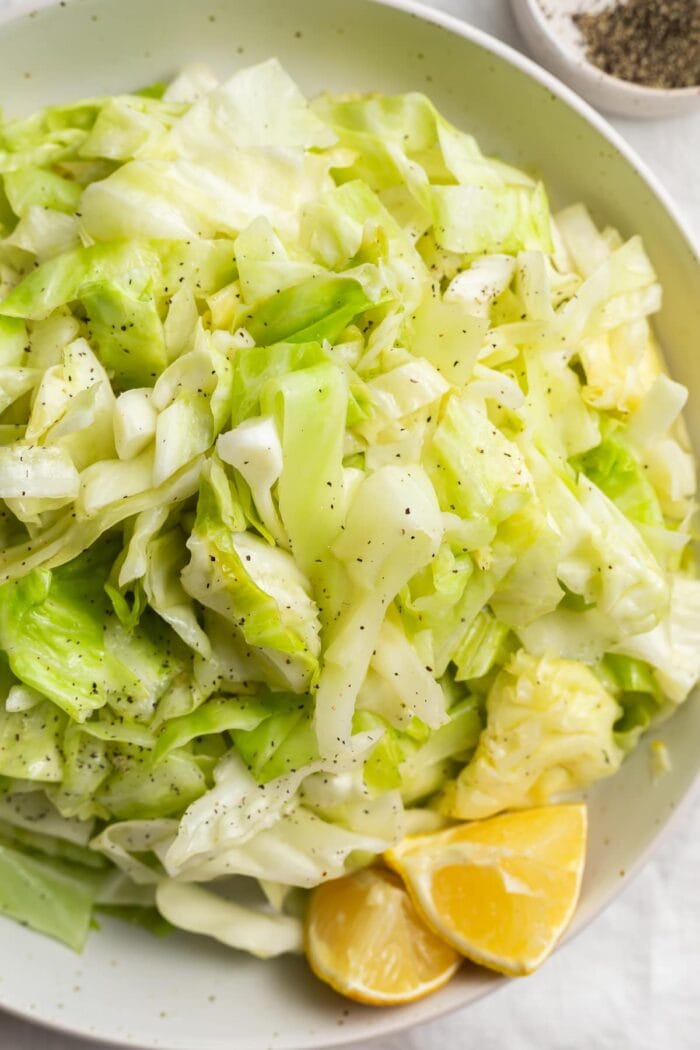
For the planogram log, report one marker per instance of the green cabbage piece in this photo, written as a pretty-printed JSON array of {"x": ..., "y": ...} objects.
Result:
[
  {"x": 282, "y": 742},
  {"x": 549, "y": 729},
  {"x": 139, "y": 789},
  {"x": 317, "y": 309},
  {"x": 615, "y": 469},
  {"x": 637, "y": 693},
  {"x": 53, "y": 629},
  {"x": 51, "y": 896},
  {"x": 312, "y": 408},
  {"x": 256, "y": 586},
  {"x": 32, "y": 186}
]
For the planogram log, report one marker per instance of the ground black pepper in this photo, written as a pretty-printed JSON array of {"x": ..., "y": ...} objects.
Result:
[{"x": 650, "y": 42}]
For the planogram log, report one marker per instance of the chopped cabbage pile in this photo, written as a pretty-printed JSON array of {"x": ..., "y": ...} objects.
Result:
[{"x": 342, "y": 492}]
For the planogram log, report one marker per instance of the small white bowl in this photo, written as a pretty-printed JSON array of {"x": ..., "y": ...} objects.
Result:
[{"x": 554, "y": 40}]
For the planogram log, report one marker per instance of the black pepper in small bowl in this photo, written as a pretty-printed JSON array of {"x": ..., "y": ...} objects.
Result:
[{"x": 655, "y": 43}]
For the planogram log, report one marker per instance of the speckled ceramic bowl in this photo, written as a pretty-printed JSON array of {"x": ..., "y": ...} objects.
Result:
[
  {"x": 553, "y": 41},
  {"x": 184, "y": 993}
]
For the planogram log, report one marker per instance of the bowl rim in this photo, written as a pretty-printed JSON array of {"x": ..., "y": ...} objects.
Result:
[
  {"x": 392, "y": 1023},
  {"x": 576, "y": 58}
]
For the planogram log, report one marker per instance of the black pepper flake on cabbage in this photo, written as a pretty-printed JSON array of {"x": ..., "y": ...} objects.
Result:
[{"x": 342, "y": 490}]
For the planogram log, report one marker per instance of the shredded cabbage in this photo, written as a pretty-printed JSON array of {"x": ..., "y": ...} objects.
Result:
[{"x": 342, "y": 494}]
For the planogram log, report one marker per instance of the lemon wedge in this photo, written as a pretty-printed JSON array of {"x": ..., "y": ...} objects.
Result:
[
  {"x": 365, "y": 939},
  {"x": 500, "y": 891}
]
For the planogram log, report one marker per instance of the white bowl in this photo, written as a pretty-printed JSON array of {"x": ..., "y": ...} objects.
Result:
[
  {"x": 554, "y": 41},
  {"x": 182, "y": 993}
]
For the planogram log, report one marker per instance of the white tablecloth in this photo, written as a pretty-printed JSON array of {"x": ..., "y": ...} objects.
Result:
[{"x": 630, "y": 981}]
